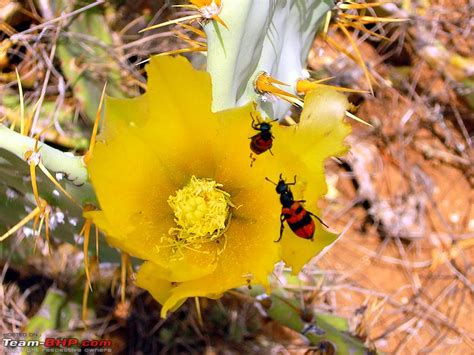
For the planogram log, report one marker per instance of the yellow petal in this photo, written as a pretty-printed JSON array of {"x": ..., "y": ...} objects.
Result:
[
  {"x": 233, "y": 151},
  {"x": 148, "y": 277},
  {"x": 145, "y": 243},
  {"x": 122, "y": 114},
  {"x": 121, "y": 172},
  {"x": 296, "y": 252},
  {"x": 250, "y": 255},
  {"x": 181, "y": 125},
  {"x": 185, "y": 264},
  {"x": 302, "y": 151},
  {"x": 153, "y": 145},
  {"x": 321, "y": 131},
  {"x": 250, "y": 251}
]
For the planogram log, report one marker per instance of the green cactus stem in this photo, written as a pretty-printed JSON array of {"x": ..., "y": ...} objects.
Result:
[
  {"x": 53, "y": 159},
  {"x": 262, "y": 36},
  {"x": 324, "y": 330}
]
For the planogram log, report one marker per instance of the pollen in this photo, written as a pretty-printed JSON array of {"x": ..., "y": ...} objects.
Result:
[{"x": 202, "y": 213}]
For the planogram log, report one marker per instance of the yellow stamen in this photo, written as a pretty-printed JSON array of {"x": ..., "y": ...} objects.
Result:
[{"x": 202, "y": 214}]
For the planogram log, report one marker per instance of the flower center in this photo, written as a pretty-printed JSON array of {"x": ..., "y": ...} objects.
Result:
[{"x": 202, "y": 212}]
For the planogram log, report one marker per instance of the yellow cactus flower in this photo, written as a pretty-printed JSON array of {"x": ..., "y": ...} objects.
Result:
[
  {"x": 176, "y": 187},
  {"x": 303, "y": 151}
]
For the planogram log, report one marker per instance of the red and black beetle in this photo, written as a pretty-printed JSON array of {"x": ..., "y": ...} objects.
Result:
[
  {"x": 262, "y": 141},
  {"x": 298, "y": 218}
]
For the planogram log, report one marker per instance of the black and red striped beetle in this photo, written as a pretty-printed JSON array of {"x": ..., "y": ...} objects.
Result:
[
  {"x": 293, "y": 212},
  {"x": 262, "y": 141}
]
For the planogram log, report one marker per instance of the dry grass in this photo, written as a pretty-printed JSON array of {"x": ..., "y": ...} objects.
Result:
[{"x": 403, "y": 270}]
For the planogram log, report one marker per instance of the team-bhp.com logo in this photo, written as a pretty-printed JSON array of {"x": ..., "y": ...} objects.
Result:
[{"x": 59, "y": 344}]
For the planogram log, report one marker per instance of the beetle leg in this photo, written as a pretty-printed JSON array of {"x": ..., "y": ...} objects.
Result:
[
  {"x": 252, "y": 159},
  {"x": 282, "y": 227},
  {"x": 292, "y": 183},
  {"x": 319, "y": 219}
]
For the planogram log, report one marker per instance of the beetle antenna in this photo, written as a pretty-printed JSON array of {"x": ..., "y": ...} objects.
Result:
[
  {"x": 270, "y": 181},
  {"x": 254, "y": 126}
]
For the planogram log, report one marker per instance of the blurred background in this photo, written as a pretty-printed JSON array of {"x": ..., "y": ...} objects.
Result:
[{"x": 400, "y": 279}]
